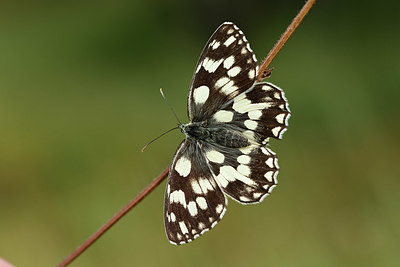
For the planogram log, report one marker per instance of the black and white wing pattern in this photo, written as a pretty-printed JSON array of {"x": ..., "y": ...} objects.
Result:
[
  {"x": 225, "y": 151},
  {"x": 194, "y": 203},
  {"x": 227, "y": 67}
]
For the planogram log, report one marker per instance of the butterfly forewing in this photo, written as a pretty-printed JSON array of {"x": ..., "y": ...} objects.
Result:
[
  {"x": 227, "y": 67},
  {"x": 194, "y": 203}
]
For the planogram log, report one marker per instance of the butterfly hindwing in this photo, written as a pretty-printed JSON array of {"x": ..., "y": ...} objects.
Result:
[
  {"x": 246, "y": 174},
  {"x": 262, "y": 110},
  {"x": 226, "y": 68},
  {"x": 194, "y": 203}
]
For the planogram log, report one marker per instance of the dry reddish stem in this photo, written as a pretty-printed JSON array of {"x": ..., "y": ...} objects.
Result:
[
  {"x": 281, "y": 42},
  {"x": 115, "y": 218},
  {"x": 262, "y": 73}
]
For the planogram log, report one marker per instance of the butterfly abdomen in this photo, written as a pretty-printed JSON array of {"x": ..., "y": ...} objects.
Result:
[
  {"x": 228, "y": 138},
  {"x": 222, "y": 136}
]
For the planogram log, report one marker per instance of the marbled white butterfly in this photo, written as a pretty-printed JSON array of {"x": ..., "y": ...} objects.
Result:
[{"x": 225, "y": 150}]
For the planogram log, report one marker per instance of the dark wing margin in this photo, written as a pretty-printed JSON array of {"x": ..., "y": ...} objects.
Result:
[
  {"x": 226, "y": 68},
  {"x": 194, "y": 203}
]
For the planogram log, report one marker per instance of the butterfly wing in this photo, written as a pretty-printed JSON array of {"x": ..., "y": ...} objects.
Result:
[
  {"x": 248, "y": 173},
  {"x": 262, "y": 112},
  {"x": 226, "y": 68},
  {"x": 194, "y": 203}
]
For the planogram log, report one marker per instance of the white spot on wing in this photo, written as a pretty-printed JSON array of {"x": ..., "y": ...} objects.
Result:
[
  {"x": 257, "y": 195},
  {"x": 267, "y": 88},
  {"x": 246, "y": 150},
  {"x": 241, "y": 104},
  {"x": 275, "y": 131},
  {"x": 211, "y": 65},
  {"x": 215, "y": 156},
  {"x": 200, "y": 94},
  {"x": 216, "y": 45},
  {"x": 234, "y": 71},
  {"x": 230, "y": 173},
  {"x": 221, "y": 180},
  {"x": 183, "y": 227},
  {"x": 201, "y": 201},
  {"x": 192, "y": 208},
  {"x": 270, "y": 162},
  {"x": 244, "y": 169},
  {"x": 265, "y": 151},
  {"x": 250, "y": 124},
  {"x": 228, "y": 62},
  {"x": 205, "y": 185},
  {"x": 252, "y": 74},
  {"x": 196, "y": 187},
  {"x": 268, "y": 175},
  {"x": 201, "y": 226},
  {"x": 255, "y": 114},
  {"x": 221, "y": 82},
  {"x": 229, "y": 88},
  {"x": 280, "y": 118},
  {"x": 229, "y": 41},
  {"x": 223, "y": 116},
  {"x": 249, "y": 135},
  {"x": 219, "y": 208},
  {"x": 173, "y": 217},
  {"x": 178, "y": 196},
  {"x": 183, "y": 166},
  {"x": 244, "y": 199},
  {"x": 243, "y": 159}
]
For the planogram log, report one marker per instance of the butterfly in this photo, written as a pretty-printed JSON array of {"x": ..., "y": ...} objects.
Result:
[{"x": 225, "y": 152}]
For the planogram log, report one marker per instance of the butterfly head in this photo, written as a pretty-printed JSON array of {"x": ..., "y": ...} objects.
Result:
[{"x": 195, "y": 130}]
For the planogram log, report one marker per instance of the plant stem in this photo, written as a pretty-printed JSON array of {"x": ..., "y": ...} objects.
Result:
[{"x": 281, "y": 42}]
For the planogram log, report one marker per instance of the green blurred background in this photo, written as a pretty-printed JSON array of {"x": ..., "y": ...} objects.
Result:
[{"x": 79, "y": 97}]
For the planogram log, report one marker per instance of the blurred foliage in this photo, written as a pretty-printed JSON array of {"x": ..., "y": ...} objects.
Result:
[{"x": 79, "y": 97}]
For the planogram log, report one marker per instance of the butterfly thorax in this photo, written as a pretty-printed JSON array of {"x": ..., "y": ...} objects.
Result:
[{"x": 214, "y": 134}]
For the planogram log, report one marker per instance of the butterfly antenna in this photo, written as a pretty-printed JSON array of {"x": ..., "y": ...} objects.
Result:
[
  {"x": 166, "y": 100},
  {"x": 158, "y": 137}
]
